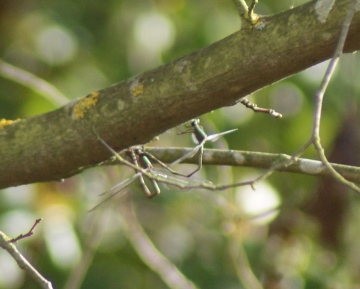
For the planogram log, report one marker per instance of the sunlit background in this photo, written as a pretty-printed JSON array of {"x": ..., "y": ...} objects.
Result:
[{"x": 293, "y": 231}]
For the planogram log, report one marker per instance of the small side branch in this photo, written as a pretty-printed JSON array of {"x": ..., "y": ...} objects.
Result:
[
  {"x": 247, "y": 12},
  {"x": 241, "y": 6},
  {"x": 255, "y": 108},
  {"x": 28, "y": 234},
  {"x": 22, "y": 262},
  {"x": 253, "y": 18}
]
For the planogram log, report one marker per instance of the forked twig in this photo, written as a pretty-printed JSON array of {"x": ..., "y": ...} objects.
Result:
[
  {"x": 28, "y": 234},
  {"x": 247, "y": 11},
  {"x": 255, "y": 108},
  {"x": 251, "y": 14},
  {"x": 319, "y": 97},
  {"x": 22, "y": 262}
]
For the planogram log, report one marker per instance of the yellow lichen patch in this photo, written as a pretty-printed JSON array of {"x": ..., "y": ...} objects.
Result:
[
  {"x": 5, "y": 122},
  {"x": 84, "y": 104},
  {"x": 137, "y": 90}
]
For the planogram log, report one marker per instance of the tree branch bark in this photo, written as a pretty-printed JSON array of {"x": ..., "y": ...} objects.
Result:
[{"x": 61, "y": 143}]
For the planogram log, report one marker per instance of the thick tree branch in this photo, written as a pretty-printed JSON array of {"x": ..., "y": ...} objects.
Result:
[{"x": 61, "y": 143}]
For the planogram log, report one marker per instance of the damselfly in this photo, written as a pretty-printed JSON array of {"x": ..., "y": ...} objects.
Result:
[
  {"x": 201, "y": 138},
  {"x": 141, "y": 159},
  {"x": 136, "y": 154},
  {"x": 158, "y": 177},
  {"x": 140, "y": 162}
]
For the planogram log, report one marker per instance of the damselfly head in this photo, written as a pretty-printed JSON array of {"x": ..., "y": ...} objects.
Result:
[
  {"x": 195, "y": 122},
  {"x": 139, "y": 150},
  {"x": 192, "y": 123}
]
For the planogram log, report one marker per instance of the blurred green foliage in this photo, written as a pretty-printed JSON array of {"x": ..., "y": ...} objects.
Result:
[{"x": 82, "y": 46}]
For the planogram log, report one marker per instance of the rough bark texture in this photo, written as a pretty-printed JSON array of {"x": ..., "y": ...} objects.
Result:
[{"x": 61, "y": 143}]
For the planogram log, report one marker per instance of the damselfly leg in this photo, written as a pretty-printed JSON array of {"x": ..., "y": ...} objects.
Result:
[
  {"x": 134, "y": 164},
  {"x": 145, "y": 157},
  {"x": 134, "y": 154},
  {"x": 141, "y": 158},
  {"x": 162, "y": 176},
  {"x": 201, "y": 137}
]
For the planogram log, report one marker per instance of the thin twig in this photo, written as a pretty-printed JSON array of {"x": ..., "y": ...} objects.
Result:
[
  {"x": 242, "y": 265},
  {"x": 33, "y": 82},
  {"x": 91, "y": 237},
  {"x": 284, "y": 163},
  {"x": 255, "y": 108},
  {"x": 22, "y": 262},
  {"x": 251, "y": 14},
  {"x": 319, "y": 96},
  {"x": 280, "y": 165},
  {"x": 148, "y": 253},
  {"x": 241, "y": 6},
  {"x": 28, "y": 234},
  {"x": 247, "y": 12},
  {"x": 315, "y": 137}
]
